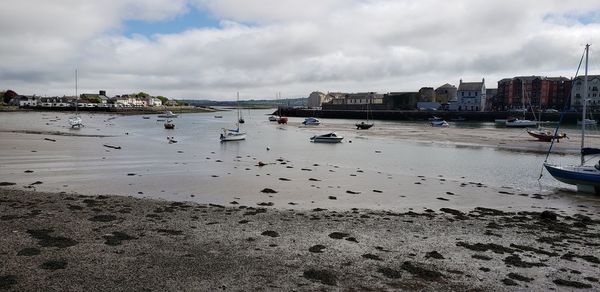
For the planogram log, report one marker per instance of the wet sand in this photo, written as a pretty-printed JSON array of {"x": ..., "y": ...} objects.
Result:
[{"x": 70, "y": 242}]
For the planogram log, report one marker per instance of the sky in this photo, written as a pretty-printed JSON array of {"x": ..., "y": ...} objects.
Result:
[{"x": 211, "y": 49}]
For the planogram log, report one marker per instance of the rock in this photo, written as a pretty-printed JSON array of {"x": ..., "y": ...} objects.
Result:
[
  {"x": 332, "y": 198},
  {"x": 338, "y": 235},
  {"x": 548, "y": 216},
  {"x": 268, "y": 191},
  {"x": 371, "y": 257},
  {"x": 434, "y": 254},
  {"x": 317, "y": 248},
  {"x": 270, "y": 233},
  {"x": 390, "y": 273},
  {"x": 324, "y": 276}
]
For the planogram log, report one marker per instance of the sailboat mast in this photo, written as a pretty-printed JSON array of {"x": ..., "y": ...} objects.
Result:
[
  {"x": 238, "y": 106},
  {"x": 76, "y": 96},
  {"x": 585, "y": 96}
]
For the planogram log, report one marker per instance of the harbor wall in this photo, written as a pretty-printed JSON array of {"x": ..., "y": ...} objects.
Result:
[{"x": 414, "y": 115}]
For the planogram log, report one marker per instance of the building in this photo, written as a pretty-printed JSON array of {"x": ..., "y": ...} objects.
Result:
[
  {"x": 445, "y": 93},
  {"x": 315, "y": 99},
  {"x": 533, "y": 91},
  {"x": 25, "y": 101},
  {"x": 99, "y": 97},
  {"x": 593, "y": 92},
  {"x": 490, "y": 97},
  {"x": 401, "y": 100},
  {"x": 471, "y": 96},
  {"x": 354, "y": 101},
  {"x": 426, "y": 94}
]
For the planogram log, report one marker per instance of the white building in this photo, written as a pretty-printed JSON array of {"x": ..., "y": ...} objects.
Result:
[
  {"x": 593, "y": 91},
  {"x": 28, "y": 101},
  {"x": 471, "y": 96}
]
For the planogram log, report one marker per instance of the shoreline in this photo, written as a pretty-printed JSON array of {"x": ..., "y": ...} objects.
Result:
[
  {"x": 62, "y": 241},
  {"x": 118, "y": 111}
]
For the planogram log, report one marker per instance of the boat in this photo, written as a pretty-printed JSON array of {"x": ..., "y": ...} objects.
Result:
[
  {"x": 363, "y": 125},
  {"x": 218, "y": 117},
  {"x": 282, "y": 120},
  {"x": 146, "y": 117},
  {"x": 272, "y": 119},
  {"x": 327, "y": 138},
  {"x": 169, "y": 125},
  {"x": 75, "y": 121},
  {"x": 168, "y": 114},
  {"x": 311, "y": 121},
  {"x": 240, "y": 118},
  {"x": 585, "y": 177},
  {"x": 546, "y": 135},
  {"x": 501, "y": 122},
  {"x": 588, "y": 122},
  {"x": 439, "y": 123},
  {"x": 232, "y": 135},
  {"x": 519, "y": 123}
]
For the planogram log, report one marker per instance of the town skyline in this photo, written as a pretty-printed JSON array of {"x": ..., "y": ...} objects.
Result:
[{"x": 204, "y": 49}]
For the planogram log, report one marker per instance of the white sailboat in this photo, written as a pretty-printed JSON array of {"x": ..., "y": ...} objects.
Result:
[
  {"x": 585, "y": 177},
  {"x": 521, "y": 123},
  {"x": 75, "y": 121},
  {"x": 233, "y": 134}
]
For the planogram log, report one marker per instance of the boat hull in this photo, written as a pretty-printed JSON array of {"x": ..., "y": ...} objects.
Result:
[
  {"x": 233, "y": 137},
  {"x": 363, "y": 126},
  {"x": 586, "y": 178},
  {"x": 327, "y": 140},
  {"x": 521, "y": 124},
  {"x": 545, "y": 136}
]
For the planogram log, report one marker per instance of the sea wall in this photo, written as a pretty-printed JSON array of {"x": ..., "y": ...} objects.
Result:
[{"x": 399, "y": 115}]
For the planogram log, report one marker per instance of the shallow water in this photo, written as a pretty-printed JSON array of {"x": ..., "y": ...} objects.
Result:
[{"x": 201, "y": 168}]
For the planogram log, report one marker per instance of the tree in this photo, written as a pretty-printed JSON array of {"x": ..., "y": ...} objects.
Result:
[
  {"x": 162, "y": 99},
  {"x": 142, "y": 94},
  {"x": 8, "y": 95}
]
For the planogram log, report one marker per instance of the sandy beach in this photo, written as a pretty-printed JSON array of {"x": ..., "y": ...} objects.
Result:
[{"x": 70, "y": 242}]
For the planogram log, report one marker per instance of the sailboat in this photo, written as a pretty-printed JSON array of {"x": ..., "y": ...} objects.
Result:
[
  {"x": 521, "y": 123},
  {"x": 544, "y": 135},
  {"x": 75, "y": 121},
  {"x": 240, "y": 118},
  {"x": 233, "y": 134},
  {"x": 585, "y": 177},
  {"x": 363, "y": 125}
]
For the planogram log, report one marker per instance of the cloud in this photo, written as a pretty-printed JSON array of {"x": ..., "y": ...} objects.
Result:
[{"x": 265, "y": 46}]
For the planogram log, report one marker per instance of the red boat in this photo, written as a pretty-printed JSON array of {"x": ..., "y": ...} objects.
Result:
[
  {"x": 546, "y": 135},
  {"x": 282, "y": 120}
]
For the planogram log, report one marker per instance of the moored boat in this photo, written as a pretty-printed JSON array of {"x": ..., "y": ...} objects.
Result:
[
  {"x": 546, "y": 135},
  {"x": 327, "y": 138},
  {"x": 587, "y": 122},
  {"x": 168, "y": 114},
  {"x": 232, "y": 135},
  {"x": 311, "y": 121},
  {"x": 439, "y": 123},
  {"x": 518, "y": 123},
  {"x": 272, "y": 119},
  {"x": 169, "y": 125},
  {"x": 585, "y": 177}
]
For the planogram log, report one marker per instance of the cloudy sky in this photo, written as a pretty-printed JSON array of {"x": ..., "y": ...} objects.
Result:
[{"x": 210, "y": 49}]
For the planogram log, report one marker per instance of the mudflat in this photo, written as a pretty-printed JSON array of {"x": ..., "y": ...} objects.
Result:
[{"x": 71, "y": 242}]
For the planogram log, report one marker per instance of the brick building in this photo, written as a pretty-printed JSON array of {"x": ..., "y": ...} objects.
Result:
[{"x": 533, "y": 91}]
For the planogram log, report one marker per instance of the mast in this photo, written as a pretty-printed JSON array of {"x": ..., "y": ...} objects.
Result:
[
  {"x": 76, "y": 96},
  {"x": 585, "y": 96},
  {"x": 238, "y": 106}
]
